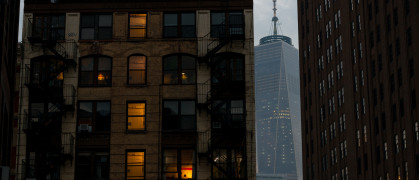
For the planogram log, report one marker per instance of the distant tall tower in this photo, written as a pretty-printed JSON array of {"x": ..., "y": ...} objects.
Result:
[{"x": 277, "y": 106}]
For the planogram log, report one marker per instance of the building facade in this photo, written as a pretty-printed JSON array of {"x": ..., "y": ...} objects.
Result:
[
  {"x": 137, "y": 90},
  {"x": 9, "y": 24},
  {"x": 277, "y": 107},
  {"x": 359, "y": 87}
]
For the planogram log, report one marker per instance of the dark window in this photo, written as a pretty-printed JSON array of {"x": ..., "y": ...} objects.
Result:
[
  {"x": 136, "y": 116},
  {"x": 376, "y": 126},
  {"x": 179, "y": 69},
  {"x": 397, "y": 46},
  {"x": 228, "y": 164},
  {"x": 229, "y": 68},
  {"x": 381, "y": 91},
  {"x": 406, "y": 7},
  {"x": 365, "y": 162},
  {"x": 380, "y": 62},
  {"x": 92, "y": 165},
  {"x": 48, "y": 27},
  {"x": 228, "y": 114},
  {"x": 401, "y": 107},
  {"x": 179, "y": 115},
  {"x": 95, "y": 71},
  {"x": 390, "y": 53},
  {"x": 413, "y": 99},
  {"x": 393, "y": 113},
  {"x": 370, "y": 11},
  {"x": 383, "y": 121},
  {"x": 378, "y": 33},
  {"x": 376, "y": 5},
  {"x": 388, "y": 23},
  {"x": 179, "y": 25},
  {"x": 179, "y": 164},
  {"x": 93, "y": 117},
  {"x": 400, "y": 77},
  {"x": 371, "y": 39},
  {"x": 411, "y": 68},
  {"x": 377, "y": 155},
  {"x": 392, "y": 83},
  {"x": 375, "y": 96},
  {"x": 373, "y": 68},
  {"x": 135, "y": 168},
  {"x": 137, "y": 70},
  {"x": 396, "y": 17},
  {"x": 224, "y": 24},
  {"x": 409, "y": 36},
  {"x": 137, "y": 25},
  {"x": 96, "y": 27}
]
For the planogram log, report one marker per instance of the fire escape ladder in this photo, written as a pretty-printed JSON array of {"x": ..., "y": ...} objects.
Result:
[{"x": 40, "y": 33}]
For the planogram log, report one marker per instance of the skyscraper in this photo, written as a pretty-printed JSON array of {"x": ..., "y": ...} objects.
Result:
[
  {"x": 277, "y": 106},
  {"x": 148, "y": 89},
  {"x": 359, "y": 63},
  {"x": 9, "y": 24}
]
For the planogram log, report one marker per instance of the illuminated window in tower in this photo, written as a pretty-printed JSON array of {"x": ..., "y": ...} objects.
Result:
[
  {"x": 179, "y": 164},
  {"x": 135, "y": 165},
  {"x": 136, "y": 116}
]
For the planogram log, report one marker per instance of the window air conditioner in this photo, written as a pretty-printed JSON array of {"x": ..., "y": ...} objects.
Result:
[{"x": 85, "y": 128}]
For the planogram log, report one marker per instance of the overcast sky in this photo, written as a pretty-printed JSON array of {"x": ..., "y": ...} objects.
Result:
[{"x": 287, "y": 14}]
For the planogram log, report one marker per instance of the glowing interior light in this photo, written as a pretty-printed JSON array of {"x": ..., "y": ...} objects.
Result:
[{"x": 100, "y": 77}]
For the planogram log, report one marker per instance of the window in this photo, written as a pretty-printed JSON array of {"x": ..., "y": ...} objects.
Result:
[
  {"x": 92, "y": 165},
  {"x": 229, "y": 114},
  {"x": 227, "y": 24},
  {"x": 93, "y": 116},
  {"x": 95, "y": 71},
  {"x": 137, "y": 70},
  {"x": 49, "y": 27},
  {"x": 137, "y": 25},
  {"x": 179, "y": 25},
  {"x": 230, "y": 68},
  {"x": 228, "y": 164},
  {"x": 179, "y": 69},
  {"x": 179, "y": 115},
  {"x": 179, "y": 164},
  {"x": 96, "y": 27},
  {"x": 136, "y": 116},
  {"x": 135, "y": 165}
]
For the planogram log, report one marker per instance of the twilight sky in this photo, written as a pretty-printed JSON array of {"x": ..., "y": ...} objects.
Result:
[{"x": 262, "y": 9}]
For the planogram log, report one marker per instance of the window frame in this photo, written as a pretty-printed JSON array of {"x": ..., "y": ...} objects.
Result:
[
  {"x": 179, "y": 162},
  {"x": 129, "y": 26},
  {"x": 228, "y": 58},
  {"x": 94, "y": 117},
  {"x": 179, "y": 24},
  {"x": 92, "y": 163},
  {"x": 49, "y": 26},
  {"x": 226, "y": 25},
  {"x": 126, "y": 160},
  {"x": 145, "y": 70},
  {"x": 95, "y": 26},
  {"x": 179, "y": 116},
  {"x": 179, "y": 68},
  {"x": 145, "y": 116},
  {"x": 95, "y": 71},
  {"x": 228, "y": 116}
]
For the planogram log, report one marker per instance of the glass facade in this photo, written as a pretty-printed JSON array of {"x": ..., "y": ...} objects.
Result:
[{"x": 278, "y": 111}]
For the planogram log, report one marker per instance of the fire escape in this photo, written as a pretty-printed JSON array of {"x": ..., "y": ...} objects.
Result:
[
  {"x": 213, "y": 96},
  {"x": 47, "y": 147}
]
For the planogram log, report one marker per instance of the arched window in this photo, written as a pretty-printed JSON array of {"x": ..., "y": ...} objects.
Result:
[
  {"x": 179, "y": 69},
  {"x": 137, "y": 70},
  {"x": 95, "y": 71}
]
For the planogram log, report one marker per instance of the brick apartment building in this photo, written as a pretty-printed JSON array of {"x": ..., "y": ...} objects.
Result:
[
  {"x": 150, "y": 89},
  {"x": 359, "y": 84}
]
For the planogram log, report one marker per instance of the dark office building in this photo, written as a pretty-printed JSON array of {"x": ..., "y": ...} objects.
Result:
[
  {"x": 9, "y": 24},
  {"x": 359, "y": 84}
]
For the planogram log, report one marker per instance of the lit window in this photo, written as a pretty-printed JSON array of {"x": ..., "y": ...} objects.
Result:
[
  {"x": 137, "y": 70},
  {"x": 136, "y": 116},
  {"x": 179, "y": 69},
  {"x": 137, "y": 25},
  {"x": 179, "y": 164},
  {"x": 95, "y": 71},
  {"x": 135, "y": 165}
]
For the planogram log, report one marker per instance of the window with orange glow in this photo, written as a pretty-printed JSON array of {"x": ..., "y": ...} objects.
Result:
[
  {"x": 179, "y": 164},
  {"x": 135, "y": 165},
  {"x": 137, "y": 25},
  {"x": 136, "y": 116},
  {"x": 137, "y": 70}
]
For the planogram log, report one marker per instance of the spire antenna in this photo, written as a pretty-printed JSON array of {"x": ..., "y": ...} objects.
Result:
[{"x": 275, "y": 19}]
